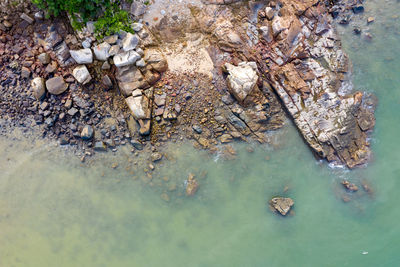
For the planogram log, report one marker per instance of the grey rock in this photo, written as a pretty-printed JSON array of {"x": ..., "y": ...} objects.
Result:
[
  {"x": 107, "y": 82},
  {"x": 81, "y": 74},
  {"x": 72, "y": 111},
  {"x": 38, "y": 88},
  {"x": 100, "y": 146},
  {"x": 56, "y": 85},
  {"x": 113, "y": 50},
  {"x": 269, "y": 12},
  {"x": 130, "y": 42},
  {"x": 87, "y": 132},
  {"x": 197, "y": 128},
  {"x": 101, "y": 51},
  {"x": 27, "y": 18},
  {"x": 44, "y": 58},
  {"x": 137, "y": 144},
  {"x": 137, "y": 9},
  {"x": 82, "y": 56},
  {"x": 266, "y": 33},
  {"x": 87, "y": 43},
  {"x": 106, "y": 66},
  {"x": 137, "y": 27}
]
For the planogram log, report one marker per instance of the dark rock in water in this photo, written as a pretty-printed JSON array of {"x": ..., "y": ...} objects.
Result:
[
  {"x": 349, "y": 186},
  {"x": 100, "y": 146},
  {"x": 281, "y": 204},
  {"x": 191, "y": 185},
  {"x": 357, "y": 30},
  {"x": 137, "y": 144},
  {"x": 358, "y": 9},
  {"x": 87, "y": 132}
]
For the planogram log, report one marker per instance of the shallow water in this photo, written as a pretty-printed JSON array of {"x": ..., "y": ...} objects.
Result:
[{"x": 54, "y": 211}]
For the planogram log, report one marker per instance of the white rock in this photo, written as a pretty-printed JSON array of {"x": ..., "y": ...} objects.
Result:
[
  {"x": 139, "y": 107},
  {"x": 38, "y": 88},
  {"x": 82, "y": 56},
  {"x": 101, "y": 51},
  {"x": 130, "y": 42},
  {"x": 242, "y": 79},
  {"x": 136, "y": 93},
  {"x": 27, "y": 18},
  {"x": 269, "y": 12},
  {"x": 140, "y": 63},
  {"x": 126, "y": 58},
  {"x": 81, "y": 74}
]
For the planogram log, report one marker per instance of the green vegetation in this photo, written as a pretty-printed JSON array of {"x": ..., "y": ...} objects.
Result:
[{"x": 110, "y": 18}]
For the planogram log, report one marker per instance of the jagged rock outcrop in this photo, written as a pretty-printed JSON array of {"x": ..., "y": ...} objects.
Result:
[{"x": 307, "y": 68}]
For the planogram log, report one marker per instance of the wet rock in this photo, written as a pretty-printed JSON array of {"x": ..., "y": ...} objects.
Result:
[
  {"x": 101, "y": 51},
  {"x": 197, "y": 128},
  {"x": 81, "y": 74},
  {"x": 358, "y": 9},
  {"x": 226, "y": 138},
  {"x": 38, "y": 88},
  {"x": 191, "y": 185},
  {"x": 56, "y": 85},
  {"x": 137, "y": 144},
  {"x": 126, "y": 58},
  {"x": 281, "y": 204},
  {"x": 350, "y": 186},
  {"x": 87, "y": 132},
  {"x": 44, "y": 58},
  {"x": 82, "y": 56},
  {"x": 100, "y": 146},
  {"x": 241, "y": 79},
  {"x": 357, "y": 30},
  {"x": 130, "y": 42},
  {"x": 156, "y": 156}
]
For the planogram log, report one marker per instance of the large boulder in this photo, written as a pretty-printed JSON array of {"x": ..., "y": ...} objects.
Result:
[
  {"x": 281, "y": 204},
  {"x": 82, "y": 56},
  {"x": 126, "y": 58},
  {"x": 81, "y": 74},
  {"x": 56, "y": 85},
  {"x": 139, "y": 106},
  {"x": 129, "y": 79},
  {"x": 101, "y": 51},
  {"x": 242, "y": 79},
  {"x": 38, "y": 88}
]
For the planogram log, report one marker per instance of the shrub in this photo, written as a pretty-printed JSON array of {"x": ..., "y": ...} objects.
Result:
[{"x": 110, "y": 18}]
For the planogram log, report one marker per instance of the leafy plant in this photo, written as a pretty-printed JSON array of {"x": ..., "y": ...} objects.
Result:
[{"x": 110, "y": 18}]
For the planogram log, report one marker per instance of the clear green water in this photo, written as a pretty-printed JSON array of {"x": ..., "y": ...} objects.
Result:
[{"x": 56, "y": 212}]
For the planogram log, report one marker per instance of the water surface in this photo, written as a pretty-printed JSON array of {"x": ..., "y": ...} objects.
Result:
[{"x": 55, "y": 211}]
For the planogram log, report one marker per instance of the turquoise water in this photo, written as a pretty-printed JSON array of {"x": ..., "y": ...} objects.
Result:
[{"x": 55, "y": 211}]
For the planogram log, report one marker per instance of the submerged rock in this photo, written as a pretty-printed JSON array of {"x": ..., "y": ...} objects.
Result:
[
  {"x": 191, "y": 185},
  {"x": 281, "y": 204},
  {"x": 350, "y": 186}
]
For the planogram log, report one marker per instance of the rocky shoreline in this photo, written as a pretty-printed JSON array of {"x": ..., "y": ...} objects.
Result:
[{"x": 212, "y": 72}]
